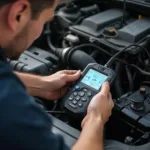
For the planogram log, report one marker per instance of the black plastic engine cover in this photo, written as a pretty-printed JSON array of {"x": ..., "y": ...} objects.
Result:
[
  {"x": 94, "y": 24},
  {"x": 135, "y": 31}
]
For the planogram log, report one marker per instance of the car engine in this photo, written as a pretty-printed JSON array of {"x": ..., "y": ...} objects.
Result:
[{"x": 84, "y": 32}]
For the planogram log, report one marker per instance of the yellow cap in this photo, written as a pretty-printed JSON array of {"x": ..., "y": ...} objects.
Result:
[
  {"x": 140, "y": 17},
  {"x": 112, "y": 30}
]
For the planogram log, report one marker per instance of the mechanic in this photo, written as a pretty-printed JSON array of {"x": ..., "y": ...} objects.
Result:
[{"x": 23, "y": 123}]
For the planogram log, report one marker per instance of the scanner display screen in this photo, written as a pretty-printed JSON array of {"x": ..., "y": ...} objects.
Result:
[{"x": 94, "y": 79}]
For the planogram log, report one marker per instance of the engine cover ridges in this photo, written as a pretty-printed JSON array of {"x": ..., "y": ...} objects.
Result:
[
  {"x": 135, "y": 31},
  {"x": 102, "y": 19},
  {"x": 94, "y": 24}
]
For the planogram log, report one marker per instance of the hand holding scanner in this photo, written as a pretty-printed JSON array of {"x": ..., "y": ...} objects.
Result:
[{"x": 89, "y": 84}]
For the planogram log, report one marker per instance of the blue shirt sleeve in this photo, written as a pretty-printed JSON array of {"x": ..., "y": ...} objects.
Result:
[{"x": 23, "y": 124}]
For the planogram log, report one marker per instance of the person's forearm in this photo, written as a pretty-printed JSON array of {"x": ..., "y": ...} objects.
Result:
[
  {"x": 91, "y": 137},
  {"x": 33, "y": 83}
]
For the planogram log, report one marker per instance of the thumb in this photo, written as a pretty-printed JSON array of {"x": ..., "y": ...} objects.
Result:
[
  {"x": 73, "y": 77},
  {"x": 105, "y": 88}
]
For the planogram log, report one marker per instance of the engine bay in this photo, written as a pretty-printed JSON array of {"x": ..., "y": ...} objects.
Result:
[{"x": 84, "y": 32}]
